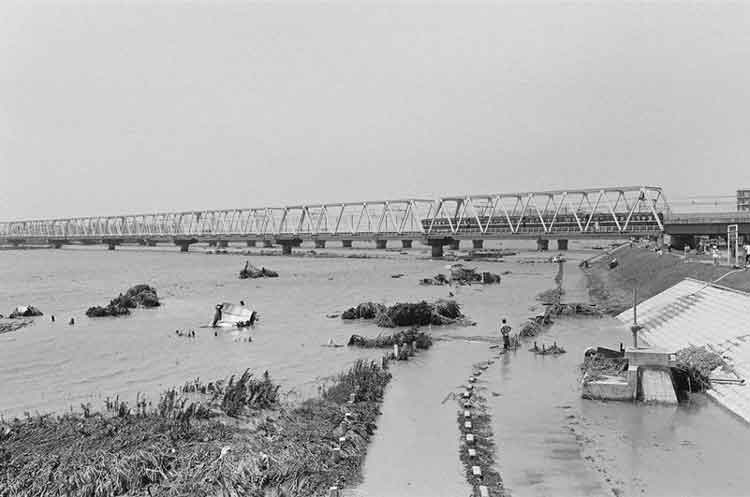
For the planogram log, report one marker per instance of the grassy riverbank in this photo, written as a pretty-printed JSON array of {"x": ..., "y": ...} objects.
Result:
[
  {"x": 239, "y": 441},
  {"x": 650, "y": 274}
]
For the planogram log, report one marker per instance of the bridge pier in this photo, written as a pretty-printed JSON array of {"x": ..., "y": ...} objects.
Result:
[
  {"x": 267, "y": 244},
  {"x": 320, "y": 244},
  {"x": 212, "y": 243},
  {"x": 542, "y": 244},
  {"x": 477, "y": 244},
  {"x": 562, "y": 244},
  {"x": 185, "y": 244},
  {"x": 406, "y": 244},
  {"x": 288, "y": 244},
  {"x": 436, "y": 244},
  {"x": 223, "y": 244},
  {"x": 346, "y": 243},
  {"x": 381, "y": 244},
  {"x": 250, "y": 243},
  {"x": 455, "y": 245}
]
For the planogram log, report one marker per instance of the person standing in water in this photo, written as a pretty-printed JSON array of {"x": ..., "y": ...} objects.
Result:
[
  {"x": 217, "y": 315},
  {"x": 505, "y": 330}
]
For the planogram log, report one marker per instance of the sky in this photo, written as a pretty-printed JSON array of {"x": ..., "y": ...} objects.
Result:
[{"x": 129, "y": 107}]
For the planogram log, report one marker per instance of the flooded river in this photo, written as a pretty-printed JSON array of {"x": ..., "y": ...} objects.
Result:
[{"x": 549, "y": 441}]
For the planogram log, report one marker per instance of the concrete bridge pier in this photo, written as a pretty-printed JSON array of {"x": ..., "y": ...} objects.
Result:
[
  {"x": 346, "y": 243},
  {"x": 184, "y": 244},
  {"x": 222, "y": 244},
  {"x": 288, "y": 244},
  {"x": 267, "y": 244},
  {"x": 437, "y": 245},
  {"x": 477, "y": 244},
  {"x": 250, "y": 243},
  {"x": 406, "y": 244},
  {"x": 455, "y": 244},
  {"x": 320, "y": 244},
  {"x": 542, "y": 244},
  {"x": 562, "y": 244},
  {"x": 212, "y": 243},
  {"x": 381, "y": 244},
  {"x": 111, "y": 244}
]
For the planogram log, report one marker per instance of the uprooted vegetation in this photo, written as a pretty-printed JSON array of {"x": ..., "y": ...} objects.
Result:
[
  {"x": 596, "y": 366},
  {"x": 441, "y": 312},
  {"x": 179, "y": 449},
  {"x": 26, "y": 311},
  {"x": 250, "y": 271},
  {"x": 697, "y": 364},
  {"x": 461, "y": 275},
  {"x": 137, "y": 296},
  {"x": 420, "y": 339}
]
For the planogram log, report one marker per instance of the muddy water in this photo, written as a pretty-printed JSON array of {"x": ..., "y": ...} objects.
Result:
[
  {"x": 550, "y": 442},
  {"x": 553, "y": 443}
]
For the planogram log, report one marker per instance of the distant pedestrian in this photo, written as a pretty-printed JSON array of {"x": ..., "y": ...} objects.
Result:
[
  {"x": 53, "y": 318},
  {"x": 72, "y": 321},
  {"x": 505, "y": 330},
  {"x": 715, "y": 255},
  {"x": 747, "y": 254},
  {"x": 686, "y": 249}
]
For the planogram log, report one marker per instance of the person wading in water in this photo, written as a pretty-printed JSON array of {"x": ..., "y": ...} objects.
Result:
[
  {"x": 505, "y": 330},
  {"x": 217, "y": 315}
]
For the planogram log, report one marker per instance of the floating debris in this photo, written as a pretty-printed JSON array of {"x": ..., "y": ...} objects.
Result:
[
  {"x": 250, "y": 271},
  {"x": 421, "y": 339},
  {"x": 25, "y": 311},
  {"x": 138, "y": 295}
]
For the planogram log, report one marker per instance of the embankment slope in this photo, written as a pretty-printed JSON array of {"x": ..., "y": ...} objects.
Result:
[{"x": 650, "y": 274}]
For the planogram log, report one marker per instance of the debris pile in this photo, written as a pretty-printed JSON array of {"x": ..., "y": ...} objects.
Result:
[
  {"x": 441, "y": 312},
  {"x": 597, "y": 365},
  {"x": 698, "y": 363},
  {"x": 460, "y": 275},
  {"x": 250, "y": 271},
  {"x": 137, "y": 296},
  {"x": 421, "y": 340},
  {"x": 26, "y": 311},
  {"x": 365, "y": 310},
  {"x": 544, "y": 350}
]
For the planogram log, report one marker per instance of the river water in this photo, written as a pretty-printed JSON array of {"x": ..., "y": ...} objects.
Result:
[{"x": 550, "y": 442}]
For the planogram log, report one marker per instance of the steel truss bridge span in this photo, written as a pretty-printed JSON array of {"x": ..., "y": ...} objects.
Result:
[{"x": 618, "y": 212}]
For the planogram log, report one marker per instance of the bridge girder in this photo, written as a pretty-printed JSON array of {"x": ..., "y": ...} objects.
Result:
[{"x": 470, "y": 216}]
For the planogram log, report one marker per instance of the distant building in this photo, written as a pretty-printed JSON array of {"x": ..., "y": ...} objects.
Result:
[{"x": 743, "y": 200}]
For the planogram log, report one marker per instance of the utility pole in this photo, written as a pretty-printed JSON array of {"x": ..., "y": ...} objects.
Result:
[{"x": 635, "y": 326}]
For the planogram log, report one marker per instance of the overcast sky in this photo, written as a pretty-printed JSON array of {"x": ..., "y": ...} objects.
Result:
[{"x": 110, "y": 108}]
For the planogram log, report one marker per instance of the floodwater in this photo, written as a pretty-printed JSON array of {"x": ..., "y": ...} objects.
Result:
[{"x": 550, "y": 442}]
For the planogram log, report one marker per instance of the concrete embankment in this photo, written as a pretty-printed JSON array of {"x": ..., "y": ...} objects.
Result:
[{"x": 650, "y": 274}]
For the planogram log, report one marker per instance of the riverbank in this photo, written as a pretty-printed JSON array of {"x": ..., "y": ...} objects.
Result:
[
  {"x": 650, "y": 274},
  {"x": 237, "y": 440}
]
